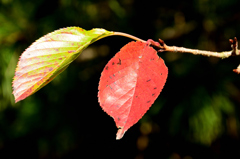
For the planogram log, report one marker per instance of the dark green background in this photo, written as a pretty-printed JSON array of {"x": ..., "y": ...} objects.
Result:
[{"x": 196, "y": 116}]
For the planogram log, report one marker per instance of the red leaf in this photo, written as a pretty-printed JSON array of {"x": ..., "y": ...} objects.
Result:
[{"x": 130, "y": 83}]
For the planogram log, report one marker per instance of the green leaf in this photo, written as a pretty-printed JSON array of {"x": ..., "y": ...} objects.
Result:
[{"x": 49, "y": 56}]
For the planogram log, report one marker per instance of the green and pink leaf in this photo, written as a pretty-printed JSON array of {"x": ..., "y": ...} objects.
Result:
[{"x": 50, "y": 55}]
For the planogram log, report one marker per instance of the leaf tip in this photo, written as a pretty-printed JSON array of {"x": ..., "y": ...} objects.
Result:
[
  {"x": 120, "y": 133},
  {"x": 18, "y": 98}
]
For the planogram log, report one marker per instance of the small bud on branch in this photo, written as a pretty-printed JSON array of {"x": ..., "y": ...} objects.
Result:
[{"x": 234, "y": 46}]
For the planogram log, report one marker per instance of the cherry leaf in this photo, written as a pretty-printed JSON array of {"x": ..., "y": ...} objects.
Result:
[
  {"x": 130, "y": 83},
  {"x": 50, "y": 55}
]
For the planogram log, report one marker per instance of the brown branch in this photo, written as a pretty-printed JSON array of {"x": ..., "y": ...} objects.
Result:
[{"x": 161, "y": 47}]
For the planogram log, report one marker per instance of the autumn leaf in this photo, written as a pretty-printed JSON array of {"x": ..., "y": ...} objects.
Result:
[
  {"x": 50, "y": 55},
  {"x": 130, "y": 83}
]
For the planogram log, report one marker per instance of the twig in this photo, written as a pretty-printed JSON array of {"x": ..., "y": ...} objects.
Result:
[{"x": 161, "y": 46}]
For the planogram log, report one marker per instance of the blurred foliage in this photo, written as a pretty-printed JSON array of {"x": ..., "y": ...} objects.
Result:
[{"x": 196, "y": 115}]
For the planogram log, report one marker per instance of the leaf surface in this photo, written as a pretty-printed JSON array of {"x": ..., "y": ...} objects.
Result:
[
  {"x": 130, "y": 83},
  {"x": 50, "y": 55}
]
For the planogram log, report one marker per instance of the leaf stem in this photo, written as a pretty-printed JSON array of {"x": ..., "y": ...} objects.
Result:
[{"x": 128, "y": 36}]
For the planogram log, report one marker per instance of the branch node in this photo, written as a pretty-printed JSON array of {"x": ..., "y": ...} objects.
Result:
[
  {"x": 160, "y": 46},
  {"x": 234, "y": 46}
]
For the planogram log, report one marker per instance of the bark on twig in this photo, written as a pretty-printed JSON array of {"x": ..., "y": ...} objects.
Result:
[{"x": 161, "y": 47}]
